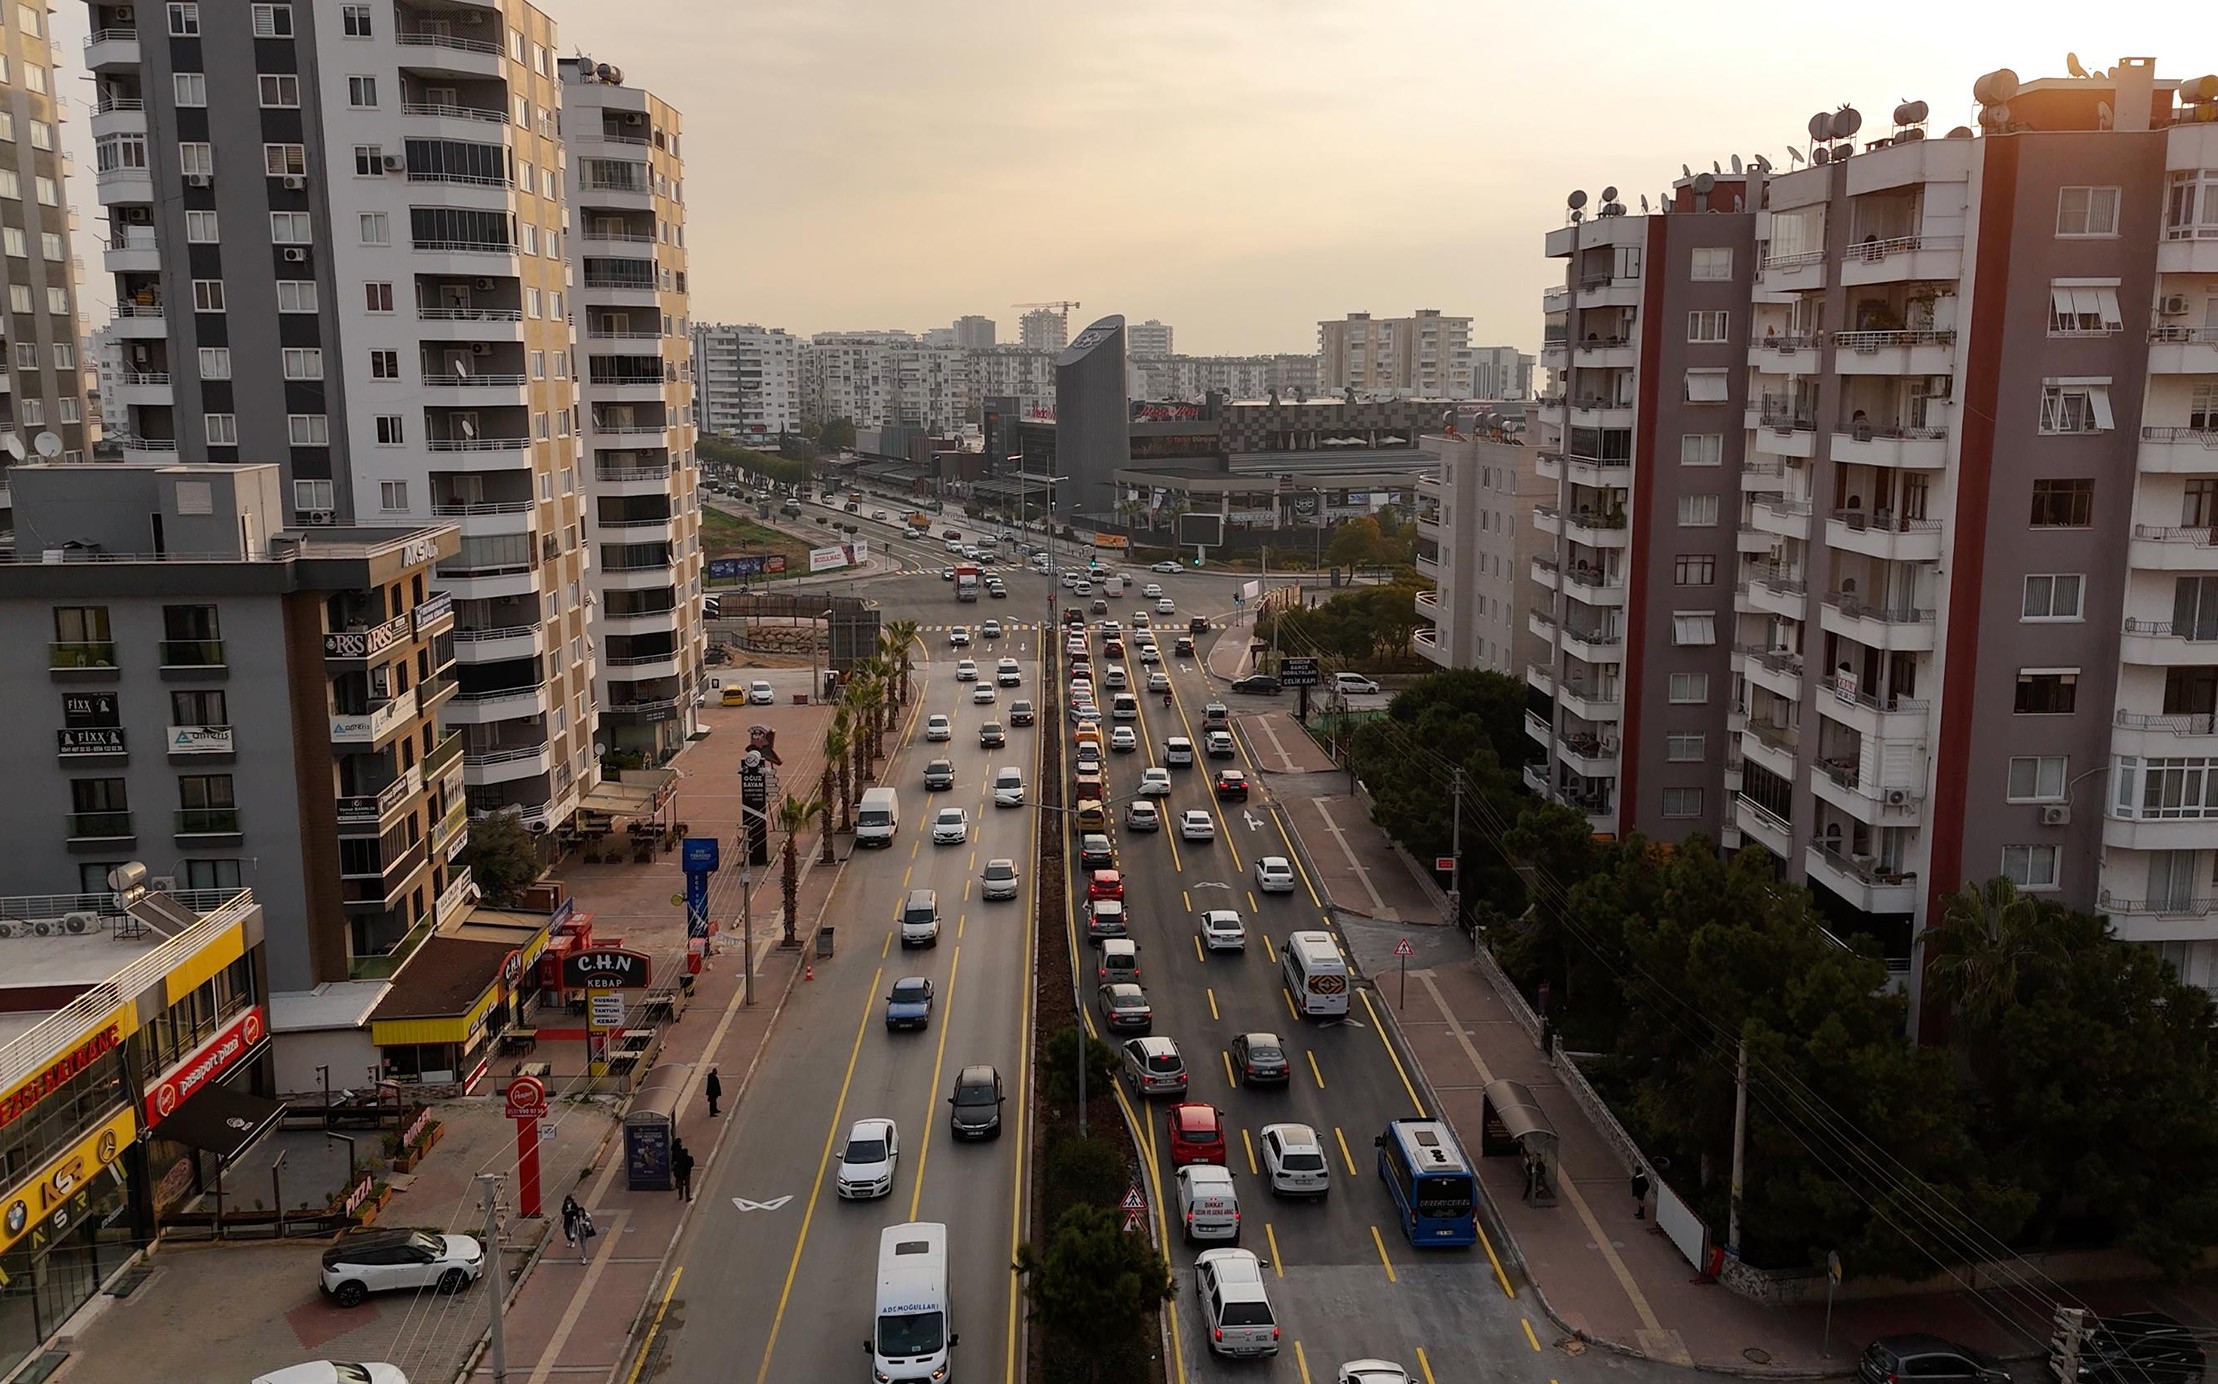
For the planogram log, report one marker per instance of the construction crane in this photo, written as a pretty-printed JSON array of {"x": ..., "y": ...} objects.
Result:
[{"x": 1063, "y": 308}]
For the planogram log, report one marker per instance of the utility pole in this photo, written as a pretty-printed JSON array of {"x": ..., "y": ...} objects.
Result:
[
  {"x": 747, "y": 927},
  {"x": 490, "y": 1184},
  {"x": 1740, "y": 1150},
  {"x": 1455, "y": 857}
]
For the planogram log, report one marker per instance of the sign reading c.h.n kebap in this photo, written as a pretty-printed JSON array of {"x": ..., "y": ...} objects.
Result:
[{"x": 604, "y": 968}]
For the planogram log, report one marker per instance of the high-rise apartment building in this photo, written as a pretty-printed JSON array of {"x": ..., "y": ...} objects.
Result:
[
  {"x": 1962, "y": 393},
  {"x": 974, "y": 333},
  {"x": 747, "y": 382},
  {"x": 1193, "y": 378},
  {"x": 636, "y": 369},
  {"x": 338, "y": 243},
  {"x": 1423, "y": 356},
  {"x": 1149, "y": 340},
  {"x": 1043, "y": 329},
  {"x": 877, "y": 379},
  {"x": 42, "y": 413},
  {"x": 1501, "y": 372},
  {"x": 1475, "y": 539}
]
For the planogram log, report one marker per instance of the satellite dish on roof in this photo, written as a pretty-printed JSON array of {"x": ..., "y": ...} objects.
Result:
[
  {"x": 1821, "y": 154},
  {"x": 1821, "y": 125},
  {"x": 1736, "y": 163},
  {"x": 1996, "y": 88},
  {"x": 1576, "y": 200},
  {"x": 1703, "y": 182},
  {"x": 14, "y": 445},
  {"x": 1609, "y": 194},
  {"x": 49, "y": 444},
  {"x": 1993, "y": 118}
]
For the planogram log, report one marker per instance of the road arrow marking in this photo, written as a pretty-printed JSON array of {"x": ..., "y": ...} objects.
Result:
[
  {"x": 773, "y": 1204},
  {"x": 1255, "y": 823}
]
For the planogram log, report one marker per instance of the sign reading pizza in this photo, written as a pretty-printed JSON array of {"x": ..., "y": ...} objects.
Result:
[
  {"x": 206, "y": 1063},
  {"x": 604, "y": 968}
]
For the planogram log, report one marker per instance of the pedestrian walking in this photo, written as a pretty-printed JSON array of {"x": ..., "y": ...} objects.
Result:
[
  {"x": 570, "y": 1213},
  {"x": 681, "y": 1163},
  {"x": 715, "y": 1091},
  {"x": 586, "y": 1232},
  {"x": 1640, "y": 1194}
]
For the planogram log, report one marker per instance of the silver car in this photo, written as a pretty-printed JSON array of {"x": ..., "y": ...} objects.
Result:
[{"x": 999, "y": 881}]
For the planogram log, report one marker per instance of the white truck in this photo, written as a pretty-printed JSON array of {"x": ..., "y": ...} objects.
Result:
[
  {"x": 878, "y": 817},
  {"x": 966, "y": 582}
]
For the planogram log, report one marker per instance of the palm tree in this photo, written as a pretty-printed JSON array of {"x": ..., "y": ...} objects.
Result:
[
  {"x": 861, "y": 692},
  {"x": 828, "y": 783},
  {"x": 839, "y": 745},
  {"x": 903, "y": 634},
  {"x": 793, "y": 816},
  {"x": 1990, "y": 943}
]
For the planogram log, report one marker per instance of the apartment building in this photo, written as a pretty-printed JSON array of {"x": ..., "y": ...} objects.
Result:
[
  {"x": 747, "y": 382},
  {"x": 627, "y": 184},
  {"x": 880, "y": 379},
  {"x": 1044, "y": 329},
  {"x": 1149, "y": 340},
  {"x": 1422, "y": 356},
  {"x": 1012, "y": 372},
  {"x": 1194, "y": 378},
  {"x": 974, "y": 333},
  {"x": 1968, "y": 384},
  {"x": 1501, "y": 372},
  {"x": 238, "y": 701},
  {"x": 1476, "y": 540},
  {"x": 42, "y": 387},
  {"x": 338, "y": 244}
]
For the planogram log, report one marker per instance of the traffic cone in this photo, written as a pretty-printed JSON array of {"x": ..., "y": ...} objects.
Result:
[{"x": 808, "y": 970}]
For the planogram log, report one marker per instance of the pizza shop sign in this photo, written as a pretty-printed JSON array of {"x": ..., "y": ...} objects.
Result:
[{"x": 207, "y": 1062}]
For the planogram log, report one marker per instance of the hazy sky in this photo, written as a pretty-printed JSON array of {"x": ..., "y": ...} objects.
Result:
[{"x": 1237, "y": 168}]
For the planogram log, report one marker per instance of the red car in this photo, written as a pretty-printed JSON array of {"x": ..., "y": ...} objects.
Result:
[
  {"x": 1196, "y": 1133},
  {"x": 1106, "y": 884},
  {"x": 1232, "y": 786}
]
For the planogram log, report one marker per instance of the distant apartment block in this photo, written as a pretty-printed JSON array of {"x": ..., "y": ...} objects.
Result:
[
  {"x": 1476, "y": 541},
  {"x": 1194, "y": 378},
  {"x": 1149, "y": 340},
  {"x": 974, "y": 333},
  {"x": 1423, "y": 356},
  {"x": 1043, "y": 329},
  {"x": 747, "y": 384},
  {"x": 1501, "y": 372},
  {"x": 882, "y": 379}
]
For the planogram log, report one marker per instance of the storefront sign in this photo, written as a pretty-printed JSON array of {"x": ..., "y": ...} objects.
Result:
[
  {"x": 207, "y": 1062},
  {"x": 95, "y": 1046},
  {"x": 200, "y": 739},
  {"x": 604, "y": 968},
  {"x": 416, "y": 1127},
  {"x": 60, "y": 1189},
  {"x": 78, "y": 741}
]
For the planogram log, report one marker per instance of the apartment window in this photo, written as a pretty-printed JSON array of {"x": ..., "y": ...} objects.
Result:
[
  {"x": 1701, "y": 449},
  {"x": 11, "y": 182},
  {"x": 378, "y": 297},
  {"x": 2063, "y": 504},
  {"x": 50, "y": 246},
  {"x": 377, "y": 228},
  {"x": 539, "y": 365},
  {"x": 290, "y": 228},
  {"x": 562, "y": 365},
  {"x": 310, "y": 496},
  {"x": 202, "y": 228},
  {"x": 57, "y": 301},
  {"x": 1694, "y": 569},
  {"x": 48, "y": 191},
  {"x": 391, "y": 430},
  {"x": 1682, "y": 802},
  {"x": 207, "y": 295},
  {"x": 2199, "y": 504},
  {"x": 189, "y": 88},
  {"x": 1710, "y": 264},
  {"x": 523, "y": 112},
  {"x": 539, "y": 428},
  {"x": 65, "y": 410},
  {"x": 280, "y": 91},
  {"x": 2173, "y": 789},
  {"x": 42, "y": 135},
  {"x": 528, "y": 238},
  {"x": 2076, "y": 408},
  {"x": 384, "y": 365},
  {"x": 2195, "y": 607},
  {"x": 531, "y": 303},
  {"x": 184, "y": 21},
  {"x": 2036, "y": 778},
  {"x": 1705, "y": 387},
  {"x": 1698, "y": 511},
  {"x": 362, "y": 92},
  {"x": 26, "y": 355},
  {"x": 308, "y": 430},
  {"x": 355, "y": 21},
  {"x": 215, "y": 362},
  {"x": 65, "y": 356},
  {"x": 2076, "y": 311},
  {"x": 11, "y": 237},
  {"x": 2053, "y": 596},
  {"x": 33, "y": 413},
  {"x": 2086, "y": 211},
  {"x": 273, "y": 21},
  {"x": 1690, "y": 689},
  {"x": 392, "y": 496},
  {"x": 303, "y": 363},
  {"x": 2047, "y": 691},
  {"x": 1693, "y": 628},
  {"x": 515, "y": 45},
  {"x": 19, "y": 297},
  {"x": 1707, "y": 326},
  {"x": 1685, "y": 748},
  {"x": 296, "y": 295},
  {"x": 196, "y": 158},
  {"x": 285, "y": 160},
  {"x": 369, "y": 160},
  {"x": 222, "y": 429},
  {"x": 88, "y": 796}
]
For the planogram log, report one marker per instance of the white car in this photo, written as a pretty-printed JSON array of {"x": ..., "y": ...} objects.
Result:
[
  {"x": 1008, "y": 787},
  {"x": 1155, "y": 783},
  {"x": 1153, "y": 591},
  {"x": 967, "y": 670},
  {"x": 867, "y": 1163},
  {"x": 1222, "y": 930},
  {"x": 990, "y": 630},
  {"x": 1274, "y": 874},
  {"x": 1141, "y": 815},
  {"x": 1009, "y": 673},
  {"x": 999, "y": 881},
  {"x": 1148, "y": 654},
  {"x": 1123, "y": 740},
  {"x": 1164, "y": 567},
  {"x": 1164, "y": 607},
  {"x": 1294, "y": 1160},
  {"x": 1196, "y": 825},
  {"x": 982, "y": 694},
  {"x": 951, "y": 827},
  {"x": 1208, "y": 1208},
  {"x": 1228, "y": 1287},
  {"x": 1157, "y": 681},
  {"x": 959, "y": 636},
  {"x": 938, "y": 727},
  {"x": 1115, "y": 678},
  {"x": 380, "y": 1261},
  {"x": 759, "y": 693},
  {"x": 1075, "y": 645},
  {"x": 1354, "y": 685},
  {"x": 1372, "y": 1372},
  {"x": 336, "y": 1372}
]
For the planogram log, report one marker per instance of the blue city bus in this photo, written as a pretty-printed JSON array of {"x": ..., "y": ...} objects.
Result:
[{"x": 1431, "y": 1182}]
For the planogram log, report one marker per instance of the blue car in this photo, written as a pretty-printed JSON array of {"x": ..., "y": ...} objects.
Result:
[{"x": 910, "y": 1004}]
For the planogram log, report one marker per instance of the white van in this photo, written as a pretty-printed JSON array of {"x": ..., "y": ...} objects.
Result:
[
  {"x": 914, "y": 1326},
  {"x": 1208, "y": 1208},
  {"x": 1316, "y": 975},
  {"x": 877, "y": 817}
]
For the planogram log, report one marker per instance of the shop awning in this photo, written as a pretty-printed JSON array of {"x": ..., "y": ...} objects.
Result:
[
  {"x": 224, "y": 1121},
  {"x": 643, "y": 795}
]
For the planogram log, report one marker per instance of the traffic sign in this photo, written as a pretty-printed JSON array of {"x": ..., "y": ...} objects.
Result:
[
  {"x": 1403, "y": 948},
  {"x": 1131, "y": 1221},
  {"x": 527, "y": 1098},
  {"x": 605, "y": 1010},
  {"x": 1133, "y": 1201},
  {"x": 1297, "y": 672},
  {"x": 677, "y": 900},
  {"x": 1444, "y": 864}
]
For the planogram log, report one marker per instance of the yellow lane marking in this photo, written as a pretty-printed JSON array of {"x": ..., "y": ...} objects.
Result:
[
  {"x": 1197, "y": 950},
  {"x": 823, "y": 1162},
  {"x": 966, "y": 898},
  {"x": 1376, "y": 1239},
  {"x": 1253, "y": 1167},
  {"x": 1177, "y": 865},
  {"x": 1186, "y": 900},
  {"x": 1297, "y": 1018},
  {"x": 1230, "y": 1080},
  {"x": 1212, "y": 993},
  {"x": 885, "y": 947},
  {"x": 1349, "y": 1157},
  {"x": 924, "y": 1145},
  {"x": 1396, "y": 1058},
  {"x": 1492, "y": 1258},
  {"x": 973, "y": 861},
  {"x": 1531, "y": 1339},
  {"x": 914, "y": 844},
  {"x": 1268, "y": 950},
  {"x": 640, "y": 1361},
  {"x": 1312, "y": 1056},
  {"x": 1426, "y": 1366},
  {"x": 1278, "y": 1261},
  {"x": 1252, "y": 903},
  {"x": 1232, "y": 845},
  {"x": 1301, "y": 1362},
  {"x": 905, "y": 873},
  {"x": 962, "y": 918}
]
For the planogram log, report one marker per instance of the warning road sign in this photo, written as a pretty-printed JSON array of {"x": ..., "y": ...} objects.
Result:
[
  {"x": 1133, "y": 1201},
  {"x": 1403, "y": 948},
  {"x": 1131, "y": 1221}
]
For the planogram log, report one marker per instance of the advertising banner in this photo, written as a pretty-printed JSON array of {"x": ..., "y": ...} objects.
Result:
[
  {"x": 845, "y": 555},
  {"x": 747, "y": 565},
  {"x": 206, "y": 1062},
  {"x": 1112, "y": 541}
]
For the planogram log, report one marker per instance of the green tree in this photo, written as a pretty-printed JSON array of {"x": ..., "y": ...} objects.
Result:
[
  {"x": 837, "y": 433},
  {"x": 502, "y": 856},
  {"x": 1061, "y": 1076},
  {"x": 1358, "y": 542},
  {"x": 793, "y": 819},
  {"x": 1093, "y": 1289},
  {"x": 1989, "y": 946}
]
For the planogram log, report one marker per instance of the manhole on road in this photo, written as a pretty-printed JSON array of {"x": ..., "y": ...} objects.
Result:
[{"x": 1756, "y": 1355}]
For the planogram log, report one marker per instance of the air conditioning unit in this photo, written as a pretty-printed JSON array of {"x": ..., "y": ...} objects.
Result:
[
  {"x": 1898, "y": 797},
  {"x": 634, "y": 118},
  {"x": 395, "y": 163},
  {"x": 124, "y": 14},
  {"x": 2175, "y": 305},
  {"x": 198, "y": 180},
  {"x": 321, "y": 517},
  {"x": 295, "y": 182},
  {"x": 12, "y": 927},
  {"x": 296, "y": 255},
  {"x": 481, "y": 284},
  {"x": 2056, "y": 815},
  {"x": 162, "y": 884},
  {"x": 481, "y": 348},
  {"x": 80, "y": 922}
]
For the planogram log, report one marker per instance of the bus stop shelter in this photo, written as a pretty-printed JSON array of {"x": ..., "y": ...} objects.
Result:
[
  {"x": 1512, "y": 1122},
  {"x": 651, "y": 1128}
]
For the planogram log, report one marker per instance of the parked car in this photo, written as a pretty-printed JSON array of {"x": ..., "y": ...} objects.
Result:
[
  {"x": 909, "y": 1005},
  {"x": 2140, "y": 1348},
  {"x": 1164, "y": 566},
  {"x": 1260, "y": 1059},
  {"x": 1294, "y": 1161},
  {"x": 378, "y": 1261},
  {"x": 1125, "y": 1008},
  {"x": 1927, "y": 1359},
  {"x": 1371, "y": 1372},
  {"x": 1257, "y": 684},
  {"x": 1354, "y": 685},
  {"x": 759, "y": 693}
]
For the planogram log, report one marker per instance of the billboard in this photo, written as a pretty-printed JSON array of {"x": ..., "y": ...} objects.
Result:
[
  {"x": 1206, "y": 530},
  {"x": 747, "y": 565},
  {"x": 845, "y": 555},
  {"x": 1116, "y": 541}
]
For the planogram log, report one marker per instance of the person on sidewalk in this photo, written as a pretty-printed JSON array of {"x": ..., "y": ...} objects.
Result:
[
  {"x": 1640, "y": 1194},
  {"x": 586, "y": 1232},
  {"x": 681, "y": 1163},
  {"x": 570, "y": 1213},
  {"x": 715, "y": 1090}
]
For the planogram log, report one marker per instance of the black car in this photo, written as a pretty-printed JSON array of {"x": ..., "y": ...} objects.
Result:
[
  {"x": 2139, "y": 1348},
  {"x": 1183, "y": 647},
  {"x": 1095, "y": 852},
  {"x": 1021, "y": 713},
  {"x": 977, "y": 1104},
  {"x": 1260, "y": 1059},
  {"x": 1125, "y": 1008},
  {"x": 1232, "y": 786},
  {"x": 1927, "y": 1360},
  {"x": 940, "y": 774},
  {"x": 990, "y": 736},
  {"x": 1259, "y": 684}
]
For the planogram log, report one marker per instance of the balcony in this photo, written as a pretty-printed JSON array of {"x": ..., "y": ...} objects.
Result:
[
  {"x": 444, "y": 756},
  {"x": 355, "y": 645},
  {"x": 1536, "y": 781},
  {"x": 470, "y": 324},
  {"x": 1600, "y": 705},
  {"x": 158, "y": 449},
  {"x": 1774, "y": 592},
  {"x": 1862, "y": 881},
  {"x": 2191, "y": 451},
  {"x": 485, "y": 706},
  {"x": 2183, "y": 350},
  {"x": 375, "y": 809},
  {"x": 439, "y": 53},
  {"x": 1601, "y": 412},
  {"x": 1602, "y": 353},
  {"x": 1540, "y": 679},
  {"x": 1894, "y": 629},
  {"x": 1781, "y": 518},
  {"x": 499, "y": 643},
  {"x": 141, "y": 322},
  {"x": 1903, "y": 259},
  {"x": 491, "y": 390},
  {"x": 374, "y": 727},
  {"x": 437, "y": 690},
  {"x": 1883, "y": 535},
  {"x": 1768, "y": 477},
  {"x": 645, "y": 711},
  {"x": 1774, "y": 748},
  {"x": 1780, "y": 354},
  {"x": 1769, "y": 830},
  {"x": 476, "y": 116},
  {"x": 1915, "y": 449},
  {"x": 1840, "y": 783},
  {"x": 138, "y": 389},
  {"x": 2157, "y": 736},
  {"x": 98, "y": 829},
  {"x": 1588, "y": 471},
  {"x": 206, "y": 826},
  {"x": 83, "y": 660},
  {"x": 132, "y": 250},
  {"x": 1536, "y": 726},
  {"x": 386, "y": 881},
  {"x": 1777, "y": 671},
  {"x": 1426, "y": 642},
  {"x": 1593, "y": 644},
  {"x": 1894, "y": 353},
  {"x": 508, "y": 765},
  {"x": 1586, "y": 526},
  {"x": 1884, "y": 718},
  {"x": 2156, "y": 549},
  {"x": 2156, "y": 642},
  {"x": 112, "y": 50},
  {"x": 1594, "y": 756}
]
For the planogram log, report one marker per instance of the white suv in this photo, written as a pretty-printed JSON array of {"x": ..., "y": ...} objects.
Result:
[
  {"x": 380, "y": 1261},
  {"x": 1228, "y": 1287}
]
